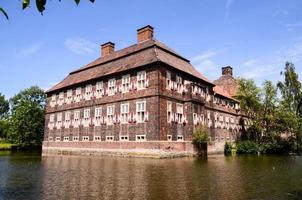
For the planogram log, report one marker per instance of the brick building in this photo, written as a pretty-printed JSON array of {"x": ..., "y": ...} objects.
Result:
[{"x": 142, "y": 98}]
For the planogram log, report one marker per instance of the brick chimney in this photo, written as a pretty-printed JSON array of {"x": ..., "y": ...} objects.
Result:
[
  {"x": 144, "y": 34},
  {"x": 228, "y": 71},
  {"x": 107, "y": 48}
]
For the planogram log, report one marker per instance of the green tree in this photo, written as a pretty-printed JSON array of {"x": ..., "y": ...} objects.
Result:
[
  {"x": 27, "y": 117},
  {"x": 40, "y": 5},
  {"x": 290, "y": 88},
  {"x": 4, "y": 106}
]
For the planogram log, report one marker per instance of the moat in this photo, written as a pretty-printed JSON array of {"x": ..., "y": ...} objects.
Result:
[{"x": 30, "y": 176}]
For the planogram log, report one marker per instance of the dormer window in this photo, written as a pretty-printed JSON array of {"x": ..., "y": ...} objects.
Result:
[
  {"x": 111, "y": 86},
  {"x": 141, "y": 79}
]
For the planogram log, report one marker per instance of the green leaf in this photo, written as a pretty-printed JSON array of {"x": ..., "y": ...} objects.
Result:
[
  {"x": 77, "y": 2},
  {"x": 41, "y": 5},
  {"x": 25, "y": 4},
  {"x": 3, "y": 12}
]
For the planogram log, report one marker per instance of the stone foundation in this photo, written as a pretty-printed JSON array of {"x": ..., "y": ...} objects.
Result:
[{"x": 151, "y": 149}]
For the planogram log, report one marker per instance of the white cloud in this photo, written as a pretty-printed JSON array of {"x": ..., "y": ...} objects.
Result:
[
  {"x": 261, "y": 71},
  {"x": 203, "y": 56},
  {"x": 80, "y": 46},
  {"x": 228, "y": 6},
  {"x": 29, "y": 50},
  {"x": 293, "y": 26},
  {"x": 249, "y": 63}
]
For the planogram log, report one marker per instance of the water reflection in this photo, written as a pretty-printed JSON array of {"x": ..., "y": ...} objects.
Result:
[{"x": 71, "y": 177}]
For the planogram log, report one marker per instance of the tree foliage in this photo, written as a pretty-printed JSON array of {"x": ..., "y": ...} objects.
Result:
[
  {"x": 27, "y": 117},
  {"x": 4, "y": 107},
  {"x": 40, "y": 5}
]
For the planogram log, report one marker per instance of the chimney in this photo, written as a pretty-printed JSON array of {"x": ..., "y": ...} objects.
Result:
[
  {"x": 107, "y": 49},
  {"x": 228, "y": 71},
  {"x": 144, "y": 34}
]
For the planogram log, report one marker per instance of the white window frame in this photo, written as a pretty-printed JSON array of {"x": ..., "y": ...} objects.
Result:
[
  {"x": 78, "y": 94},
  {"x": 168, "y": 79},
  {"x": 75, "y": 138},
  {"x": 140, "y": 111},
  {"x": 98, "y": 113},
  {"x": 99, "y": 88},
  {"x": 140, "y": 138},
  {"x": 124, "y": 138},
  {"x": 69, "y": 96},
  {"x": 180, "y": 138},
  {"x": 111, "y": 86},
  {"x": 66, "y": 139},
  {"x": 141, "y": 80},
  {"x": 110, "y": 114},
  {"x": 50, "y": 138},
  {"x": 67, "y": 116},
  {"x": 109, "y": 138},
  {"x": 179, "y": 113},
  {"x": 61, "y": 98},
  {"x": 88, "y": 92},
  {"x": 169, "y": 137},
  {"x": 169, "y": 111},
  {"x": 195, "y": 118},
  {"x": 87, "y": 114},
  {"x": 58, "y": 139},
  {"x": 126, "y": 83},
  {"x": 97, "y": 138},
  {"x": 51, "y": 118},
  {"x": 124, "y": 113},
  {"x": 85, "y": 138}
]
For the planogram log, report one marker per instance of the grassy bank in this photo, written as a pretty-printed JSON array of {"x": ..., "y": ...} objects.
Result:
[{"x": 4, "y": 146}]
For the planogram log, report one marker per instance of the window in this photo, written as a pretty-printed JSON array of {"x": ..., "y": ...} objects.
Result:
[
  {"x": 69, "y": 96},
  {"x": 195, "y": 118},
  {"x": 97, "y": 138},
  {"x": 78, "y": 94},
  {"x": 180, "y": 138},
  {"x": 98, "y": 113},
  {"x": 140, "y": 137},
  {"x": 58, "y": 139},
  {"x": 111, "y": 86},
  {"x": 67, "y": 117},
  {"x": 169, "y": 137},
  {"x": 124, "y": 138},
  {"x": 124, "y": 112},
  {"x": 125, "y": 83},
  {"x": 75, "y": 138},
  {"x": 88, "y": 92},
  {"x": 50, "y": 139},
  {"x": 53, "y": 97},
  {"x": 59, "y": 117},
  {"x": 110, "y": 138},
  {"x": 140, "y": 111},
  {"x": 168, "y": 79},
  {"x": 179, "y": 112},
  {"x": 110, "y": 114},
  {"x": 66, "y": 139},
  {"x": 86, "y": 114},
  {"x": 141, "y": 80},
  {"x": 85, "y": 138},
  {"x": 61, "y": 98},
  {"x": 76, "y": 116},
  {"x": 178, "y": 80},
  {"x": 52, "y": 118},
  {"x": 99, "y": 89},
  {"x": 169, "y": 111}
]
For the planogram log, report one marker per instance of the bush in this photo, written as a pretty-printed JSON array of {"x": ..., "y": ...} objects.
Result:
[
  {"x": 247, "y": 147},
  {"x": 200, "y": 135},
  {"x": 229, "y": 149}
]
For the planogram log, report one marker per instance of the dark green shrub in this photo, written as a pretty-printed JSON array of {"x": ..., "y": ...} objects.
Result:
[
  {"x": 228, "y": 148},
  {"x": 200, "y": 135},
  {"x": 247, "y": 147}
]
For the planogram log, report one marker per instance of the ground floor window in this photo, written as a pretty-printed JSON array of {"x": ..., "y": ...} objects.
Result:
[
  {"x": 109, "y": 138},
  {"x": 180, "y": 138},
  {"x": 50, "y": 139},
  {"x": 85, "y": 138},
  {"x": 97, "y": 138},
  {"x": 124, "y": 138},
  {"x": 58, "y": 139},
  {"x": 75, "y": 138},
  {"x": 66, "y": 139},
  {"x": 140, "y": 137},
  {"x": 169, "y": 137}
]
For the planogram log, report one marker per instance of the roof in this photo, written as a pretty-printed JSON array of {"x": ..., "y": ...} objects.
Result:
[
  {"x": 137, "y": 55},
  {"x": 220, "y": 91}
]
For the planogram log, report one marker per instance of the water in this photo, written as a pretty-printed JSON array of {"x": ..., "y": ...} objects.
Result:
[{"x": 30, "y": 176}]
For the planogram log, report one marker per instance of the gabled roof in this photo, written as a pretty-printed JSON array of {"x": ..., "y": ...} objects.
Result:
[
  {"x": 220, "y": 91},
  {"x": 137, "y": 55}
]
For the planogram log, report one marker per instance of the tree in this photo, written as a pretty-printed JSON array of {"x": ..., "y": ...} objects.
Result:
[
  {"x": 40, "y": 4},
  {"x": 4, "y": 106},
  {"x": 27, "y": 117},
  {"x": 290, "y": 88}
]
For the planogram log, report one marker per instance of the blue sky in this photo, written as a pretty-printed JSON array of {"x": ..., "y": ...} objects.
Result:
[{"x": 255, "y": 37}]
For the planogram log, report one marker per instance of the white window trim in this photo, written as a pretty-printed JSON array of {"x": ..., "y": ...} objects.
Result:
[
  {"x": 138, "y": 79},
  {"x": 180, "y": 140},
  {"x": 169, "y": 137},
  {"x": 126, "y": 82},
  {"x": 138, "y": 138},
  {"x": 109, "y": 138},
  {"x": 169, "y": 117},
  {"x": 85, "y": 138},
  {"x": 58, "y": 139},
  {"x": 75, "y": 138},
  {"x": 97, "y": 138},
  {"x": 110, "y": 114},
  {"x": 126, "y": 138},
  {"x": 111, "y": 88},
  {"x": 126, "y": 113},
  {"x": 138, "y": 120}
]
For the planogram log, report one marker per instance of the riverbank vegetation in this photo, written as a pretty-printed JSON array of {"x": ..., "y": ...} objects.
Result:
[
  {"x": 22, "y": 119},
  {"x": 274, "y": 113}
]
